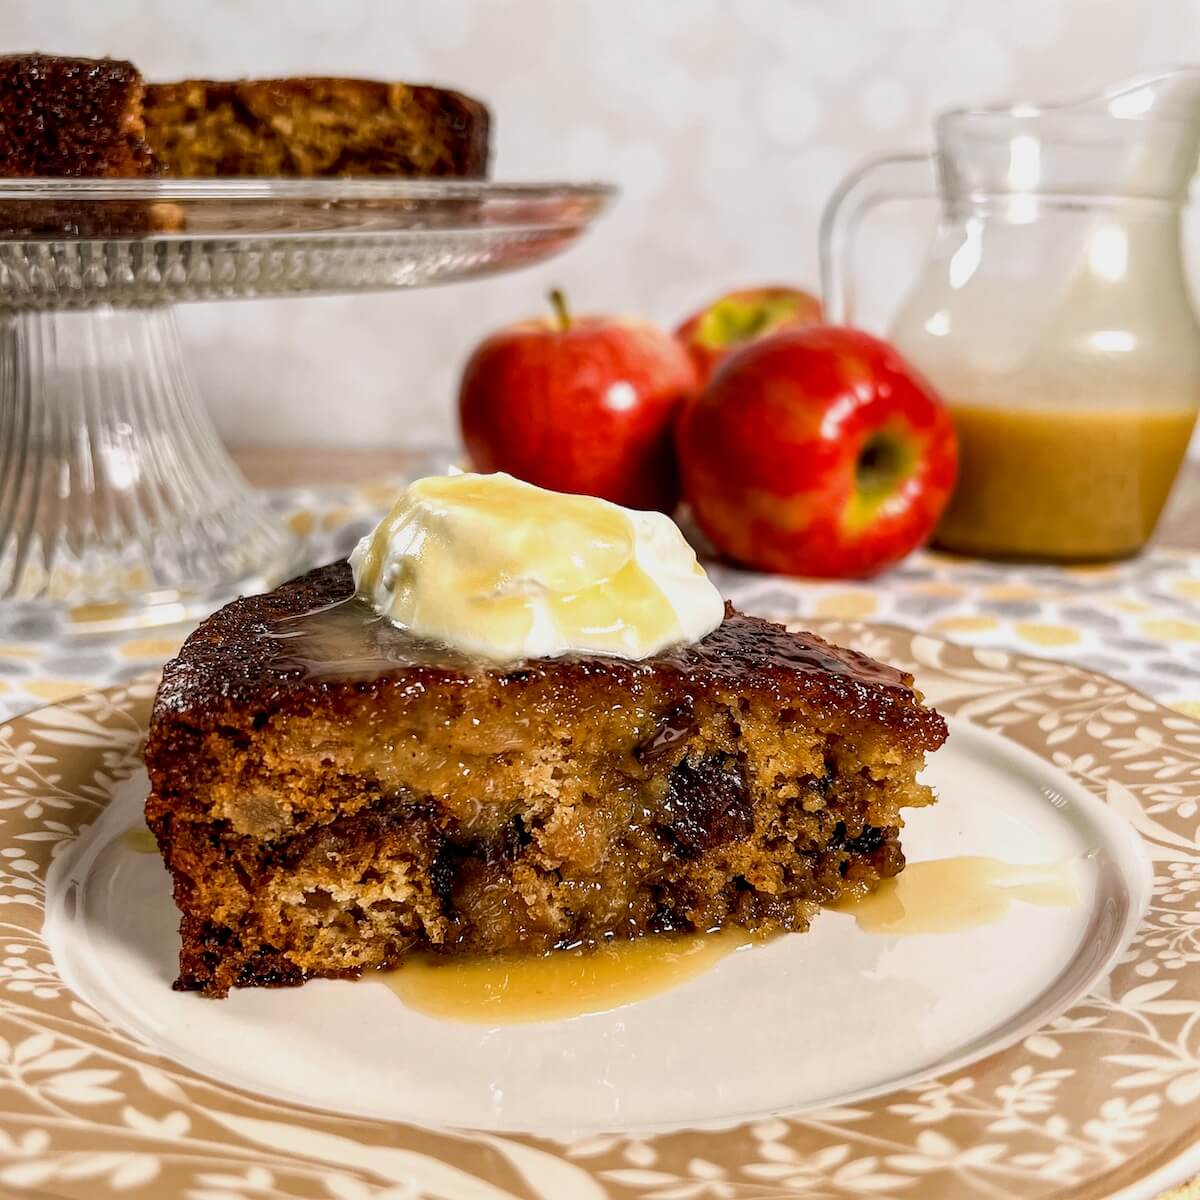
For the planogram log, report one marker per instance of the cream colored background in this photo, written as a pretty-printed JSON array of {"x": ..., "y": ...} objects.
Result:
[{"x": 726, "y": 122}]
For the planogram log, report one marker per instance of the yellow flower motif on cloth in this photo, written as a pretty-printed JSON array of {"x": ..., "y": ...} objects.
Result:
[
  {"x": 1011, "y": 591},
  {"x": 1092, "y": 570},
  {"x": 1189, "y": 708},
  {"x": 85, "y": 614},
  {"x": 151, "y": 648},
  {"x": 937, "y": 588},
  {"x": 1188, "y": 587},
  {"x": 848, "y": 605},
  {"x": 377, "y": 493},
  {"x": 966, "y": 624},
  {"x": 1171, "y": 629},
  {"x": 1129, "y": 606},
  {"x": 935, "y": 558},
  {"x": 1046, "y": 635},
  {"x": 13, "y": 650},
  {"x": 301, "y": 523},
  {"x": 53, "y": 690},
  {"x": 335, "y": 518}
]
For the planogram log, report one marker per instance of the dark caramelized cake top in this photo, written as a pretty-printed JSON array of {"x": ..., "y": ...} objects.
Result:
[
  {"x": 299, "y": 645},
  {"x": 71, "y": 116}
]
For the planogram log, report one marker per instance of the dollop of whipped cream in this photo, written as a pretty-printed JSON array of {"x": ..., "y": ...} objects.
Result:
[{"x": 496, "y": 567}]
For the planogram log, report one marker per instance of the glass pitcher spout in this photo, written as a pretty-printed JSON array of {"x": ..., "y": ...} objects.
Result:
[
  {"x": 1173, "y": 94},
  {"x": 1159, "y": 134}
]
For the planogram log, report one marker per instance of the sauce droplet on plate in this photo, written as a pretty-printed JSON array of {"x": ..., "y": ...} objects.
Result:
[
  {"x": 556, "y": 986},
  {"x": 945, "y": 895},
  {"x": 141, "y": 840}
]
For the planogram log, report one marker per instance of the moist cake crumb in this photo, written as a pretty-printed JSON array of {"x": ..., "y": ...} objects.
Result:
[{"x": 200, "y": 128}]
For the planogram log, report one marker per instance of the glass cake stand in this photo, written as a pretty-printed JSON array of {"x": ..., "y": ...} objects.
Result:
[{"x": 117, "y": 499}]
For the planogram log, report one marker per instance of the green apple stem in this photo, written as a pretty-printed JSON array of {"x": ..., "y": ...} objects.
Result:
[{"x": 562, "y": 314}]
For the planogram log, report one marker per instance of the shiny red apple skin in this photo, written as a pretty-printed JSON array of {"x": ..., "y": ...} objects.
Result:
[
  {"x": 769, "y": 454},
  {"x": 589, "y": 408},
  {"x": 764, "y": 310}
]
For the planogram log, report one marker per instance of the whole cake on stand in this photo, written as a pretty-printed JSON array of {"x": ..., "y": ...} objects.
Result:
[{"x": 117, "y": 501}]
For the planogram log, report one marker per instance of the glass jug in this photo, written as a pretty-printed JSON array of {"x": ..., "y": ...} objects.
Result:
[{"x": 1051, "y": 313}]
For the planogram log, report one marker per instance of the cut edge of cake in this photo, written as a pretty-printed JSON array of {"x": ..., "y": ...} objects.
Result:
[{"x": 310, "y": 127}]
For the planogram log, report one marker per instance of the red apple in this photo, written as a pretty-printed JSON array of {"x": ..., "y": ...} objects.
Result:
[
  {"x": 583, "y": 405},
  {"x": 740, "y": 317},
  {"x": 817, "y": 451}
]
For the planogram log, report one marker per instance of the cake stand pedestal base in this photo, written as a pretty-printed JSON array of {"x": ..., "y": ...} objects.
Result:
[{"x": 117, "y": 499}]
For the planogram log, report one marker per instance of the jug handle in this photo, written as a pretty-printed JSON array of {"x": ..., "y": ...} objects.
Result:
[{"x": 877, "y": 181}]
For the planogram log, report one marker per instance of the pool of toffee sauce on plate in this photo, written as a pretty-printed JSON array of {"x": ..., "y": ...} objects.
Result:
[
  {"x": 559, "y": 985},
  {"x": 946, "y": 895},
  {"x": 140, "y": 840}
]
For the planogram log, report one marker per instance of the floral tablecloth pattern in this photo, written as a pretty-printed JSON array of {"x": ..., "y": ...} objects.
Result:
[{"x": 1138, "y": 621}]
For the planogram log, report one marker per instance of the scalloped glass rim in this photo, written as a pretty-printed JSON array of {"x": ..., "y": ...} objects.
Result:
[{"x": 233, "y": 207}]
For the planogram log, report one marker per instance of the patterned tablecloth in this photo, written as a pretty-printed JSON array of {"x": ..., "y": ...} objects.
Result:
[{"x": 1138, "y": 621}]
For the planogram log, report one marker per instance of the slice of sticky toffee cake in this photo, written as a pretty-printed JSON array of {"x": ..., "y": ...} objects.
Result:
[{"x": 330, "y": 792}]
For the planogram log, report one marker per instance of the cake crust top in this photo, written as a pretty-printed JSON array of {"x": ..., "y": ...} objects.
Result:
[
  {"x": 71, "y": 116},
  {"x": 259, "y": 653}
]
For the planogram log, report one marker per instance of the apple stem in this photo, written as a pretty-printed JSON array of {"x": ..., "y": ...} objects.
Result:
[{"x": 562, "y": 314}]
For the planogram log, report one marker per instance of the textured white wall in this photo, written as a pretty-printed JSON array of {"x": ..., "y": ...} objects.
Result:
[{"x": 726, "y": 123}]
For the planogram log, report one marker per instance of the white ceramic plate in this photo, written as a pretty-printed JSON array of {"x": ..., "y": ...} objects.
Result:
[
  {"x": 1010, "y": 1059},
  {"x": 802, "y": 1021}
]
